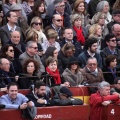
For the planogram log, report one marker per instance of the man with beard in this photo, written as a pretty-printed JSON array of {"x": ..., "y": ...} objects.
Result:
[
  {"x": 39, "y": 95},
  {"x": 90, "y": 49}
]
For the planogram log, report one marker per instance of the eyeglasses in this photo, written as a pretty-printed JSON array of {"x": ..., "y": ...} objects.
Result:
[
  {"x": 37, "y": 23},
  {"x": 11, "y": 50},
  {"x": 113, "y": 40},
  {"x": 62, "y": 6},
  {"x": 92, "y": 64},
  {"x": 59, "y": 20},
  {"x": 6, "y": 64},
  {"x": 118, "y": 83},
  {"x": 34, "y": 47},
  {"x": 75, "y": 63}
]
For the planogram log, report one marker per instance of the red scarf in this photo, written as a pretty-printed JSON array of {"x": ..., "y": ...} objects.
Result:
[
  {"x": 55, "y": 75},
  {"x": 80, "y": 37}
]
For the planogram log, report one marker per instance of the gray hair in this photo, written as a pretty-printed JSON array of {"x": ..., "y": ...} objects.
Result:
[
  {"x": 103, "y": 84},
  {"x": 56, "y": 2},
  {"x": 101, "y": 5},
  {"x": 91, "y": 58},
  {"x": 29, "y": 43}
]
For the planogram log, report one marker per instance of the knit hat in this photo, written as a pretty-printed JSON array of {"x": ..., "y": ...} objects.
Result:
[
  {"x": 15, "y": 7},
  {"x": 66, "y": 91}
]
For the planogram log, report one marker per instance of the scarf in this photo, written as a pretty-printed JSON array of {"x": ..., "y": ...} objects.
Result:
[
  {"x": 113, "y": 71},
  {"x": 55, "y": 75},
  {"x": 80, "y": 37}
]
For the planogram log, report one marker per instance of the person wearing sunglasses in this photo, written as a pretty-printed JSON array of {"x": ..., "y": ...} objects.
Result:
[
  {"x": 72, "y": 73},
  {"x": 111, "y": 43}
]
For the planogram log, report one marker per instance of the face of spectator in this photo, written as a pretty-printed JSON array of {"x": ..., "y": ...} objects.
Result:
[
  {"x": 68, "y": 34},
  {"x": 32, "y": 49},
  {"x": 118, "y": 85},
  {"x": 41, "y": 91},
  {"x": 60, "y": 8},
  {"x": 10, "y": 52},
  {"x": 18, "y": 13},
  {"x": 52, "y": 40},
  {"x": 74, "y": 66},
  {"x": 55, "y": 54},
  {"x": 105, "y": 91},
  {"x": 116, "y": 31},
  {"x": 12, "y": 92},
  {"x": 5, "y": 65},
  {"x": 116, "y": 18},
  {"x": 69, "y": 53},
  {"x": 78, "y": 23},
  {"x": 41, "y": 9},
  {"x": 112, "y": 43},
  {"x": 93, "y": 48},
  {"x": 13, "y": 17},
  {"x": 106, "y": 8},
  {"x": 30, "y": 68},
  {"x": 101, "y": 21},
  {"x": 12, "y": 1},
  {"x": 113, "y": 63},
  {"x": 15, "y": 37},
  {"x": 57, "y": 21},
  {"x": 53, "y": 66},
  {"x": 37, "y": 25},
  {"x": 99, "y": 31},
  {"x": 81, "y": 7}
]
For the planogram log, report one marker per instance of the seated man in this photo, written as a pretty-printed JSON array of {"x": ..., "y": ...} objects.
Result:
[
  {"x": 64, "y": 97},
  {"x": 101, "y": 98},
  {"x": 39, "y": 95},
  {"x": 116, "y": 89},
  {"x": 15, "y": 100}
]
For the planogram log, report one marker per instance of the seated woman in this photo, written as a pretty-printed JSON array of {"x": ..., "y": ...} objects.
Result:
[
  {"x": 72, "y": 73},
  {"x": 7, "y": 51},
  {"x": 111, "y": 72},
  {"x": 29, "y": 77},
  {"x": 52, "y": 76}
]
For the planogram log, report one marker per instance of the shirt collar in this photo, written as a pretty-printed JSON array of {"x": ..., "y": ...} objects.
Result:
[
  {"x": 10, "y": 28},
  {"x": 90, "y": 54}
]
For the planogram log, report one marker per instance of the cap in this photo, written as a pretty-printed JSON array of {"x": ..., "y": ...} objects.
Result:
[
  {"x": 66, "y": 91},
  {"x": 15, "y": 7}
]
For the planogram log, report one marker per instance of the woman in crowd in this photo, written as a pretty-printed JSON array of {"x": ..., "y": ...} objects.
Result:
[
  {"x": 36, "y": 25},
  {"x": 79, "y": 31},
  {"x": 96, "y": 31},
  {"x": 51, "y": 40},
  {"x": 29, "y": 75},
  {"x": 72, "y": 73},
  {"x": 110, "y": 71},
  {"x": 27, "y": 6},
  {"x": 103, "y": 6},
  {"x": 52, "y": 76},
  {"x": 79, "y": 8},
  {"x": 116, "y": 5},
  {"x": 51, "y": 51},
  {"x": 64, "y": 55},
  {"x": 7, "y": 51}
]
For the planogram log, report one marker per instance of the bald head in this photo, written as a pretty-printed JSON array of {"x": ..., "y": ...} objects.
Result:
[{"x": 116, "y": 30}]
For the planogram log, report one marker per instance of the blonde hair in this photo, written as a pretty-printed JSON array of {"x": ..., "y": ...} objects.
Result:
[{"x": 51, "y": 34}]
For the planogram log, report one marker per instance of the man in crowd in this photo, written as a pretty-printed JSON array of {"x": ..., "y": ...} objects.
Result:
[
  {"x": 9, "y": 27},
  {"x": 15, "y": 100},
  {"x": 101, "y": 98},
  {"x": 31, "y": 52},
  {"x": 111, "y": 42},
  {"x": 90, "y": 47},
  {"x": 68, "y": 38},
  {"x": 39, "y": 95}
]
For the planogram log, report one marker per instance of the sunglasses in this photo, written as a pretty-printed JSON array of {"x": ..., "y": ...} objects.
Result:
[
  {"x": 59, "y": 20},
  {"x": 11, "y": 50},
  {"x": 37, "y": 23},
  {"x": 113, "y": 40},
  {"x": 92, "y": 64},
  {"x": 34, "y": 47}
]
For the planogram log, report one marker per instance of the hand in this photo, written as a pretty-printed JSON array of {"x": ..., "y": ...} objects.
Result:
[
  {"x": 41, "y": 101},
  {"x": 30, "y": 104},
  {"x": 23, "y": 106},
  {"x": 105, "y": 103},
  {"x": 16, "y": 78}
]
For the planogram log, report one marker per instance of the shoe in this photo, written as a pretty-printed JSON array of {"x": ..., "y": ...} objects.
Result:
[{"x": 2, "y": 106}]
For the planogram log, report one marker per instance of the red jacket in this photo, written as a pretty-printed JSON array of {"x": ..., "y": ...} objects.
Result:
[{"x": 96, "y": 106}]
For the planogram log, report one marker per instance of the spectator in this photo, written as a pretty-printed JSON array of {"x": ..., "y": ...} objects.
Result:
[
  {"x": 80, "y": 32},
  {"x": 90, "y": 47},
  {"x": 7, "y": 51},
  {"x": 116, "y": 88},
  {"x": 111, "y": 72},
  {"x": 31, "y": 52},
  {"x": 39, "y": 96},
  {"x": 10, "y": 26},
  {"x": 56, "y": 25},
  {"x": 101, "y": 98},
  {"x": 15, "y": 100},
  {"x": 36, "y": 25},
  {"x": 52, "y": 76},
  {"x": 5, "y": 75},
  {"x": 110, "y": 49},
  {"x": 29, "y": 75},
  {"x": 116, "y": 5},
  {"x": 51, "y": 37},
  {"x": 64, "y": 55},
  {"x": 79, "y": 8},
  {"x": 72, "y": 73},
  {"x": 68, "y": 38}
]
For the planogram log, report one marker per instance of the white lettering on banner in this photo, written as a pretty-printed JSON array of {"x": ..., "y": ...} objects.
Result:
[
  {"x": 113, "y": 111},
  {"x": 43, "y": 116}
]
